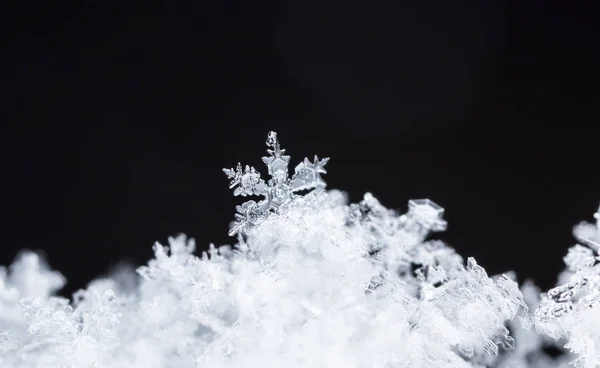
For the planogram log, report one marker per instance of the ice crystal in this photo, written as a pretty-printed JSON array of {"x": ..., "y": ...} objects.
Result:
[
  {"x": 570, "y": 311},
  {"x": 278, "y": 191},
  {"x": 532, "y": 350},
  {"x": 311, "y": 282}
]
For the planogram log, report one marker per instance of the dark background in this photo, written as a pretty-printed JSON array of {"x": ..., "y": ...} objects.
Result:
[{"x": 118, "y": 119}]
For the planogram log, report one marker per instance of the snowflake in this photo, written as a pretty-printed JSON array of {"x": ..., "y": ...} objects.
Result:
[
  {"x": 278, "y": 192},
  {"x": 424, "y": 215}
]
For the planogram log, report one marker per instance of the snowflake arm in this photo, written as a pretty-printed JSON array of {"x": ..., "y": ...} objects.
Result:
[
  {"x": 247, "y": 181},
  {"x": 277, "y": 163},
  {"x": 307, "y": 174}
]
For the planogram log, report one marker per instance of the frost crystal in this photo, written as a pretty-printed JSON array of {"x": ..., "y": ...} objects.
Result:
[{"x": 313, "y": 282}]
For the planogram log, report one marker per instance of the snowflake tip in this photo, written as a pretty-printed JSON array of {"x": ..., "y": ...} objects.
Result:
[{"x": 272, "y": 139}]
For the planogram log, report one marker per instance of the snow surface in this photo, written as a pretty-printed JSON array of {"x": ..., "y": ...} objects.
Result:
[{"x": 312, "y": 281}]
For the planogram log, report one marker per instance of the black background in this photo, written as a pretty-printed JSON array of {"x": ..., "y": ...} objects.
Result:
[{"x": 118, "y": 119}]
